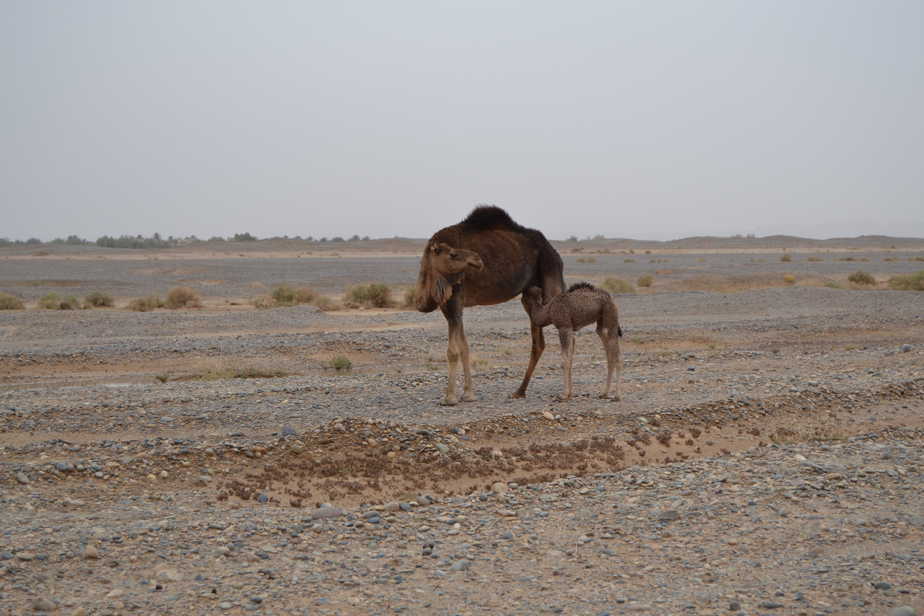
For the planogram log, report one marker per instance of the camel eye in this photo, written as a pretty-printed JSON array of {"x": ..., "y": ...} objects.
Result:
[{"x": 455, "y": 256}]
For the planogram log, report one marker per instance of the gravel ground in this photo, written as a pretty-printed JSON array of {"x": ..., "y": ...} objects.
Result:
[{"x": 765, "y": 457}]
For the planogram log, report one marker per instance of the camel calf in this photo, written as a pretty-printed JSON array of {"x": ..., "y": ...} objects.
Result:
[{"x": 580, "y": 305}]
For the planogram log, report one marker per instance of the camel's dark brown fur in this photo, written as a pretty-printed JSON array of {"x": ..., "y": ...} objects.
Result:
[{"x": 485, "y": 259}]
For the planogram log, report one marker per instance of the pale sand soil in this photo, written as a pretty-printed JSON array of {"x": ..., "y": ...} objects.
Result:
[{"x": 765, "y": 458}]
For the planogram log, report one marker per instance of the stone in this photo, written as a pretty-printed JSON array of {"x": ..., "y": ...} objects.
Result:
[
  {"x": 548, "y": 415},
  {"x": 906, "y": 348},
  {"x": 91, "y": 552},
  {"x": 168, "y": 574},
  {"x": 499, "y": 487},
  {"x": 903, "y": 610},
  {"x": 442, "y": 447},
  {"x": 22, "y": 478},
  {"x": 326, "y": 513},
  {"x": 42, "y": 604},
  {"x": 669, "y": 515},
  {"x": 462, "y": 564},
  {"x": 289, "y": 431}
]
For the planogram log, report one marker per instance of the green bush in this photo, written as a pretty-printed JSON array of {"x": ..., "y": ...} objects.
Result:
[
  {"x": 53, "y": 301},
  {"x": 373, "y": 295},
  {"x": 183, "y": 297},
  {"x": 786, "y": 258},
  {"x": 862, "y": 278},
  {"x": 789, "y": 278},
  {"x": 617, "y": 285},
  {"x": 645, "y": 281},
  {"x": 98, "y": 299},
  {"x": 908, "y": 282},
  {"x": 10, "y": 302},
  {"x": 145, "y": 304},
  {"x": 341, "y": 364}
]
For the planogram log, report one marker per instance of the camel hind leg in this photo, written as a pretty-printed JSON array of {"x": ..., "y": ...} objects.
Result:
[{"x": 609, "y": 336}]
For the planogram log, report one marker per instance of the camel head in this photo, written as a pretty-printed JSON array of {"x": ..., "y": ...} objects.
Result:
[{"x": 441, "y": 266}]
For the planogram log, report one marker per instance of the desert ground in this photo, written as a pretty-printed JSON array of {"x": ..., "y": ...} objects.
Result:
[{"x": 765, "y": 458}]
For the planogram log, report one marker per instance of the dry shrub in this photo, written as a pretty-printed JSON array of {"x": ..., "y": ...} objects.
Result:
[
  {"x": 862, "y": 278},
  {"x": 410, "y": 298},
  {"x": 183, "y": 297},
  {"x": 145, "y": 304},
  {"x": 786, "y": 258},
  {"x": 617, "y": 285},
  {"x": 373, "y": 295},
  {"x": 284, "y": 295},
  {"x": 908, "y": 282},
  {"x": 789, "y": 279},
  {"x": 628, "y": 260},
  {"x": 645, "y": 281},
  {"x": 53, "y": 301},
  {"x": 10, "y": 302},
  {"x": 98, "y": 299},
  {"x": 264, "y": 301},
  {"x": 916, "y": 258},
  {"x": 815, "y": 259},
  {"x": 587, "y": 259},
  {"x": 327, "y": 304}
]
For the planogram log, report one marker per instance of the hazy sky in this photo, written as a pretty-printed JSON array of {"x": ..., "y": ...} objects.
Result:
[{"x": 631, "y": 119}]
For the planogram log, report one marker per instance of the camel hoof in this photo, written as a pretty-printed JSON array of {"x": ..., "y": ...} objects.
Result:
[
  {"x": 468, "y": 397},
  {"x": 518, "y": 394},
  {"x": 561, "y": 398},
  {"x": 615, "y": 398},
  {"x": 449, "y": 402}
]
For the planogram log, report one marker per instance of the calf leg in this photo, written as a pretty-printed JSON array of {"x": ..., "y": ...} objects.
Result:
[
  {"x": 610, "y": 339},
  {"x": 566, "y": 336}
]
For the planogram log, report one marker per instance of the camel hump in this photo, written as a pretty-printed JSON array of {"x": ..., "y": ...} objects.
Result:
[
  {"x": 581, "y": 285},
  {"x": 486, "y": 217}
]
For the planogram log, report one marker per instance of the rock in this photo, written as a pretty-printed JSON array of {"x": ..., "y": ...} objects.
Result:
[
  {"x": 25, "y": 556},
  {"x": 262, "y": 498},
  {"x": 42, "y": 604},
  {"x": 770, "y": 605},
  {"x": 905, "y": 348},
  {"x": 903, "y": 610},
  {"x": 669, "y": 515},
  {"x": 21, "y": 478},
  {"x": 225, "y": 605},
  {"x": 115, "y": 593},
  {"x": 64, "y": 467},
  {"x": 461, "y": 565},
  {"x": 499, "y": 487},
  {"x": 91, "y": 552},
  {"x": 882, "y": 585},
  {"x": 442, "y": 447},
  {"x": 326, "y": 513},
  {"x": 548, "y": 415},
  {"x": 168, "y": 574},
  {"x": 734, "y": 606}
]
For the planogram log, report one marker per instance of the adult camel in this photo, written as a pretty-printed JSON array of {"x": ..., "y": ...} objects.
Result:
[{"x": 485, "y": 259}]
